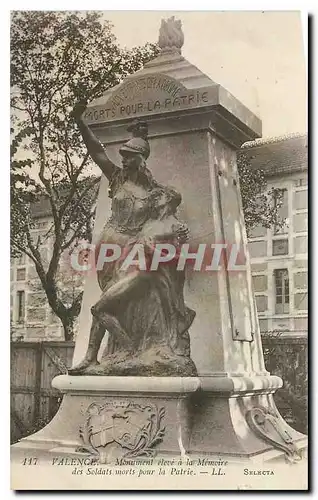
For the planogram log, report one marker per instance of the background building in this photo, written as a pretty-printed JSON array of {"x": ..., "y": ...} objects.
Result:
[
  {"x": 32, "y": 318},
  {"x": 278, "y": 256}
]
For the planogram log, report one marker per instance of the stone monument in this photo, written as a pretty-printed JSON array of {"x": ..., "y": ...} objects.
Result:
[{"x": 168, "y": 362}]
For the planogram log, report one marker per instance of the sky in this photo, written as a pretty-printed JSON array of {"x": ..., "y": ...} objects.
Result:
[{"x": 257, "y": 56}]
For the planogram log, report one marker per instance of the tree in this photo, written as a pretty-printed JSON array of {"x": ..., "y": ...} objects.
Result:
[
  {"x": 261, "y": 206},
  {"x": 58, "y": 58}
]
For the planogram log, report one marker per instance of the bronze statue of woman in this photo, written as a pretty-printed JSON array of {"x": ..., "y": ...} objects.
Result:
[{"x": 143, "y": 311}]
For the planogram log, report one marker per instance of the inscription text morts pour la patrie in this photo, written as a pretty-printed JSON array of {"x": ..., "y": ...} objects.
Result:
[{"x": 136, "y": 98}]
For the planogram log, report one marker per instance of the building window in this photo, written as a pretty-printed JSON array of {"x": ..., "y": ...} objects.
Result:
[
  {"x": 261, "y": 303},
  {"x": 20, "y": 261},
  {"x": 282, "y": 214},
  {"x": 281, "y": 291},
  {"x": 300, "y": 223},
  {"x": 41, "y": 225},
  {"x": 301, "y": 245},
  {"x": 301, "y": 182},
  {"x": 280, "y": 247},
  {"x": 36, "y": 315},
  {"x": 257, "y": 248},
  {"x": 20, "y": 306},
  {"x": 301, "y": 280},
  {"x": 257, "y": 232},
  {"x": 301, "y": 301},
  {"x": 21, "y": 274},
  {"x": 301, "y": 199}
]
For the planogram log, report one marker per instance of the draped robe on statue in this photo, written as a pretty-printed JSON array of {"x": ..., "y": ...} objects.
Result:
[{"x": 149, "y": 305}]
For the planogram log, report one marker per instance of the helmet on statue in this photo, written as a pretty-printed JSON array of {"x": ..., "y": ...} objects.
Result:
[{"x": 139, "y": 142}]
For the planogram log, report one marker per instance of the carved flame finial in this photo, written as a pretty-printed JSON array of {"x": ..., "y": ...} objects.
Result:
[{"x": 171, "y": 37}]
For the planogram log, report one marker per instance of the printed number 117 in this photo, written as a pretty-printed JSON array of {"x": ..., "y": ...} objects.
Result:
[{"x": 30, "y": 461}]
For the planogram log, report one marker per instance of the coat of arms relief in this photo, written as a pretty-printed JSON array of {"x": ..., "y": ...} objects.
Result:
[{"x": 122, "y": 430}]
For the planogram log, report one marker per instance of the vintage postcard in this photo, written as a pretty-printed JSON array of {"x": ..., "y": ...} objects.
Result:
[{"x": 158, "y": 251}]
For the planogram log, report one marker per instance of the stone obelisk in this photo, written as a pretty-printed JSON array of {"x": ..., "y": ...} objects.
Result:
[{"x": 195, "y": 128}]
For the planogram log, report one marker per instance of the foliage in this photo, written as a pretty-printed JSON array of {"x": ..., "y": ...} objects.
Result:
[
  {"x": 288, "y": 359},
  {"x": 260, "y": 205},
  {"x": 57, "y": 58}
]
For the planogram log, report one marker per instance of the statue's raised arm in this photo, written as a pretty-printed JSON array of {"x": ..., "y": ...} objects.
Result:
[
  {"x": 94, "y": 147},
  {"x": 143, "y": 312}
]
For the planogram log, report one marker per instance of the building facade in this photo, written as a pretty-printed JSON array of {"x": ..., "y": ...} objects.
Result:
[
  {"x": 278, "y": 255},
  {"x": 32, "y": 318}
]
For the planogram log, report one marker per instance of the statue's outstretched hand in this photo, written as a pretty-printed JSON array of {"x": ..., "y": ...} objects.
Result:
[
  {"x": 79, "y": 109},
  {"x": 183, "y": 233}
]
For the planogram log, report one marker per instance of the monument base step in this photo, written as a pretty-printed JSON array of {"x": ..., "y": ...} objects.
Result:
[{"x": 114, "y": 418}]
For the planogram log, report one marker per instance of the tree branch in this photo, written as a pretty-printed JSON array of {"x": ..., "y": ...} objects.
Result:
[
  {"x": 77, "y": 232},
  {"x": 74, "y": 185}
]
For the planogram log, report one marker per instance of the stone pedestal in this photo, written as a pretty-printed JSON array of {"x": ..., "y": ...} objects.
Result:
[
  {"x": 195, "y": 127},
  {"x": 140, "y": 416},
  {"x": 237, "y": 417},
  {"x": 144, "y": 417}
]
